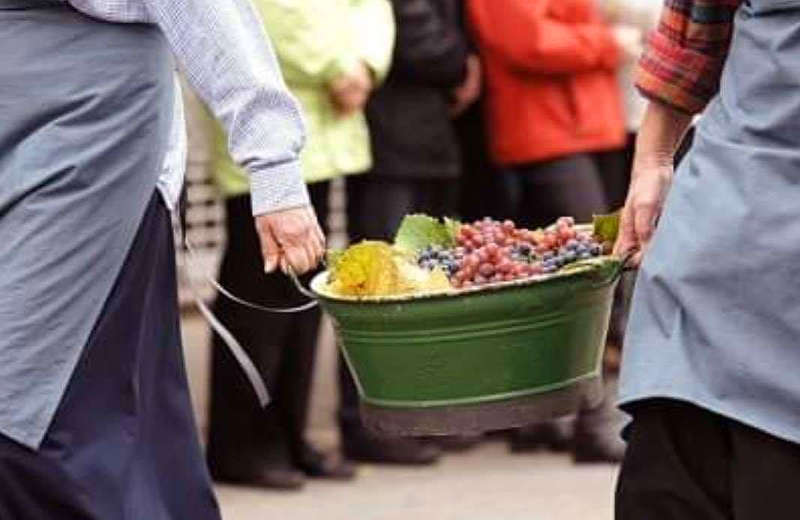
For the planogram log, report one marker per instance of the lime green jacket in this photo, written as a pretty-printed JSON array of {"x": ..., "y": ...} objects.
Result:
[{"x": 317, "y": 41}]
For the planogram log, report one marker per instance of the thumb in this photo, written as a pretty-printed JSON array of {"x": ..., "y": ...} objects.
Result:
[{"x": 626, "y": 241}]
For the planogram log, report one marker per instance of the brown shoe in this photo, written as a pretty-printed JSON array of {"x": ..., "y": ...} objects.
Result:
[
  {"x": 555, "y": 435},
  {"x": 362, "y": 446},
  {"x": 322, "y": 466},
  {"x": 280, "y": 479}
]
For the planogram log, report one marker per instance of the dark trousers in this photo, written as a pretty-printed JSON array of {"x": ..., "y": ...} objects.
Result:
[
  {"x": 615, "y": 167},
  {"x": 481, "y": 191},
  {"x": 687, "y": 463},
  {"x": 539, "y": 193},
  {"x": 283, "y": 347},
  {"x": 375, "y": 207},
  {"x": 123, "y": 443}
]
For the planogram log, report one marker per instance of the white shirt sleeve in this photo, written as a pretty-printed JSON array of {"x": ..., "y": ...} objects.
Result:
[{"x": 226, "y": 56}]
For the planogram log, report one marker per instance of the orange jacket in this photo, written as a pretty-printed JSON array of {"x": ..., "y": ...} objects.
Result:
[{"x": 550, "y": 78}]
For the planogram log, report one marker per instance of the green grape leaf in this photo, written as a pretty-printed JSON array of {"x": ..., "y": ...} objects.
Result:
[
  {"x": 452, "y": 227},
  {"x": 420, "y": 231},
  {"x": 606, "y": 227}
]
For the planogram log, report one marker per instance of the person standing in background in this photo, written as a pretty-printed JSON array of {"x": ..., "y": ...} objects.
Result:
[
  {"x": 416, "y": 165},
  {"x": 480, "y": 187},
  {"x": 552, "y": 102},
  {"x": 332, "y": 53}
]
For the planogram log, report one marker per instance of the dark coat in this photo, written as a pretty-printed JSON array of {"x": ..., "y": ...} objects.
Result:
[{"x": 412, "y": 132}]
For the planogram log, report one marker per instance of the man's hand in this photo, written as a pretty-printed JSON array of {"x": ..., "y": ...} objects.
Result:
[
  {"x": 350, "y": 92},
  {"x": 651, "y": 178},
  {"x": 659, "y": 137},
  {"x": 468, "y": 92},
  {"x": 291, "y": 238}
]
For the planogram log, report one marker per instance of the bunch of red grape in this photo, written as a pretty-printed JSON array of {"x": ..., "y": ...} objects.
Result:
[{"x": 491, "y": 251}]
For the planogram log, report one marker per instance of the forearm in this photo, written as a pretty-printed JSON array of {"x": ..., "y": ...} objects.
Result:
[{"x": 660, "y": 135}]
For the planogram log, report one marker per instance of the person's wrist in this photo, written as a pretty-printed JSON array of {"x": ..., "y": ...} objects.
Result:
[{"x": 277, "y": 188}]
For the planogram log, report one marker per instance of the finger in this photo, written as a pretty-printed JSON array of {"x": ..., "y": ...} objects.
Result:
[
  {"x": 312, "y": 253},
  {"x": 321, "y": 241},
  {"x": 644, "y": 222},
  {"x": 317, "y": 248},
  {"x": 297, "y": 258},
  {"x": 270, "y": 249},
  {"x": 636, "y": 260}
]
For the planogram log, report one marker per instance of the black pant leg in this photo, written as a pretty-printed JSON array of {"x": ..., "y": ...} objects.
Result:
[
  {"x": 438, "y": 198},
  {"x": 676, "y": 466},
  {"x": 565, "y": 186},
  {"x": 614, "y": 167},
  {"x": 376, "y": 205},
  {"x": 300, "y": 349},
  {"x": 240, "y": 432},
  {"x": 766, "y": 472}
]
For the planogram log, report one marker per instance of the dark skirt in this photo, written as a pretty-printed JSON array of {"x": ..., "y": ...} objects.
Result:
[{"x": 123, "y": 444}]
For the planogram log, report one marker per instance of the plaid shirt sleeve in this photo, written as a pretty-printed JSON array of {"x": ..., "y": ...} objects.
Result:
[{"x": 685, "y": 55}]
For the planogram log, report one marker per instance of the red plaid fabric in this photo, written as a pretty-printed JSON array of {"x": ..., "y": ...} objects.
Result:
[{"x": 685, "y": 55}]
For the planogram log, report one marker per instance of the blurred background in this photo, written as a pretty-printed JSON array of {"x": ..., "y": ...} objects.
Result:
[{"x": 514, "y": 109}]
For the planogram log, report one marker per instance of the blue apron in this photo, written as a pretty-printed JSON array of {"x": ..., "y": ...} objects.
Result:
[
  {"x": 95, "y": 416},
  {"x": 716, "y": 312},
  {"x": 85, "y": 113}
]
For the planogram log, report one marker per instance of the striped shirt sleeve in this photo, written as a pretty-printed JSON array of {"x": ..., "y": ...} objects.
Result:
[{"x": 685, "y": 55}]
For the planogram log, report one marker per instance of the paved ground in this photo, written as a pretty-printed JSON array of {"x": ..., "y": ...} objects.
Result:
[{"x": 484, "y": 484}]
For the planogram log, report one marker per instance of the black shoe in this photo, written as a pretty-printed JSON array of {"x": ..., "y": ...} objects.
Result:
[
  {"x": 554, "y": 435},
  {"x": 318, "y": 465},
  {"x": 597, "y": 451},
  {"x": 362, "y": 446},
  {"x": 283, "y": 479}
]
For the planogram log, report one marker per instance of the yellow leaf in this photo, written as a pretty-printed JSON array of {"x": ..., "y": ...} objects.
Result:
[{"x": 367, "y": 269}]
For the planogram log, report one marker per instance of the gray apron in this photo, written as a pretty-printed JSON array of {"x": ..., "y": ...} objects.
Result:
[
  {"x": 85, "y": 113},
  {"x": 716, "y": 312}
]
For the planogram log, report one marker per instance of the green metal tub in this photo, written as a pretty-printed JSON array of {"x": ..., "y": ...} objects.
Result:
[{"x": 500, "y": 357}]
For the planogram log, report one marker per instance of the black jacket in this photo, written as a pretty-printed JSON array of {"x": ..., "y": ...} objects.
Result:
[{"x": 412, "y": 133}]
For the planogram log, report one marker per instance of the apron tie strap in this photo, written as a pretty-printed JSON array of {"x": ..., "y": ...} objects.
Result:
[{"x": 235, "y": 348}]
